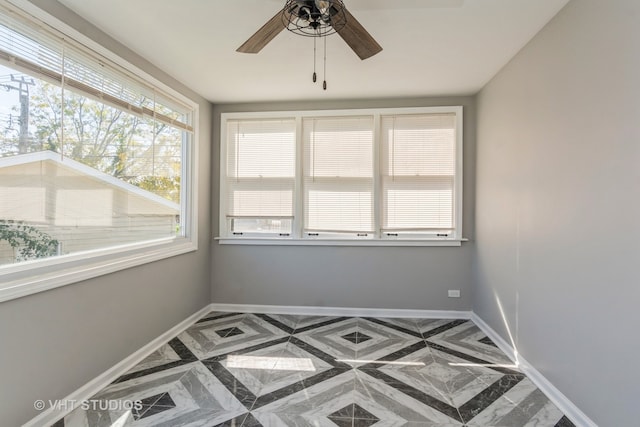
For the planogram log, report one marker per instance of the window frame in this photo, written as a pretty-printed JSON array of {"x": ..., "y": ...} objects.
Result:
[
  {"x": 299, "y": 236},
  {"x": 324, "y": 183},
  {"x": 257, "y": 181},
  {"x": 30, "y": 277}
]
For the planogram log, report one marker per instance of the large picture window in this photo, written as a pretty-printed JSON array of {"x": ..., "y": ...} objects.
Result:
[
  {"x": 95, "y": 158},
  {"x": 332, "y": 177}
]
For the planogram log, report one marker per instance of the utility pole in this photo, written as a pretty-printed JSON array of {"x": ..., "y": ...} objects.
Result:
[
  {"x": 22, "y": 88},
  {"x": 23, "y": 91}
]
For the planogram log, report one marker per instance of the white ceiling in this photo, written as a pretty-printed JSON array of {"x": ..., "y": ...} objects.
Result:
[{"x": 431, "y": 47}]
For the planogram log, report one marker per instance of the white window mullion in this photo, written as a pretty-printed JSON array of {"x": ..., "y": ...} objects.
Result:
[
  {"x": 458, "y": 174},
  {"x": 377, "y": 184},
  {"x": 298, "y": 213},
  {"x": 223, "y": 229}
]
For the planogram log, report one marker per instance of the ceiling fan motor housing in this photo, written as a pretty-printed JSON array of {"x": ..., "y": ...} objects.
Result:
[{"x": 314, "y": 18}]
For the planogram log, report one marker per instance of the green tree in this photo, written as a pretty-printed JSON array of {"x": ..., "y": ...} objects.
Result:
[
  {"x": 92, "y": 132},
  {"x": 134, "y": 149},
  {"x": 30, "y": 242},
  {"x": 168, "y": 187}
]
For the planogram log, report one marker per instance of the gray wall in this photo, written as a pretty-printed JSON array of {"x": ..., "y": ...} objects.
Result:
[
  {"x": 379, "y": 277},
  {"x": 557, "y": 205},
  {"x": 53, "y": 342}
]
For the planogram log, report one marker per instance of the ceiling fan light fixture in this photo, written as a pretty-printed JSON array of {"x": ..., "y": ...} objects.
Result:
[{"x": 314, "y": 18}]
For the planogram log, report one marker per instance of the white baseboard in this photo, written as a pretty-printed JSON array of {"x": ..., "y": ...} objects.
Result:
[
  {"x": 53, "y": 414},
  {"x": 341, "y": 311},
  {"x": 502, "y": 344},
  {"x": 572, "y": 412}
]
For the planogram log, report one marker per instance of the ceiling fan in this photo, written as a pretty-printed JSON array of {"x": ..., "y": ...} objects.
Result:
[{"x": 315, "y": 18}]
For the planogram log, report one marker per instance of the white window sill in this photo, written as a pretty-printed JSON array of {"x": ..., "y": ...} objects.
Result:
[
  {"x": 257, "y": 241},
  {"x": 28, "y": 278}
]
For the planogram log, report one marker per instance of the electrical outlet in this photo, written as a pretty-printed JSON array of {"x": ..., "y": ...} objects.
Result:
[{"x": 454, "y": 293}]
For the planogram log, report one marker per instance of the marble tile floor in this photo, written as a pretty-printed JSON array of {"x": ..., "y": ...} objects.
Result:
[{"x": 237, "y": 369}]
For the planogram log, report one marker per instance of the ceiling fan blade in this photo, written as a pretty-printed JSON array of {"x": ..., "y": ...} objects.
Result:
[
  {"x": 264, "y": 35},
  {"x": 358, "y": 39}
]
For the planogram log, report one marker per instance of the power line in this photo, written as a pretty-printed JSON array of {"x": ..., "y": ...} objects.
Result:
[
  {"x": 10, "y": 77},
  {"x": 21, "y": 83}
]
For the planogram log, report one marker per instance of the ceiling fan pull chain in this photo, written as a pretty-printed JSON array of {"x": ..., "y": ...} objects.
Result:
[
  {"x": 324, "y": 83},
  {"x": 315, "y": 76}
]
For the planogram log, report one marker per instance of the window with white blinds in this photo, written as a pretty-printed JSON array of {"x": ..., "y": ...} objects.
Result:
[
  {"x": 96, "y": 158},
  {"x": 386, "y": 176},
  {"x": 418, "y": 170},
  {"x": 338, "y": 175},
  {"x": 260, "y": 177}
]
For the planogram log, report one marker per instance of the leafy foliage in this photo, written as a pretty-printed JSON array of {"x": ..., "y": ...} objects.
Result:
[
  {"x": 167, "y": 187},
  {"x": 30, "y": 242},
  {"x": 135, "y": 149}
]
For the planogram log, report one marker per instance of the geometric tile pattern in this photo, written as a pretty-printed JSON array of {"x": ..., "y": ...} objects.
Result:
[
  {"x": 356, "y": 337},
  {"x": 235, "y": 369},
  {"x": 351, "y": 412},
  {"x": 229, "y": 332},
  {"x": 153, "y": 405}
]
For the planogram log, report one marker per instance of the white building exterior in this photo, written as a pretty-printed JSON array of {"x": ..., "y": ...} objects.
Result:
[{"x": 79, "y": 206}]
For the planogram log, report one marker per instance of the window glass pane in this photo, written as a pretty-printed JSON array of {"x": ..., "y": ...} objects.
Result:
[
  {"x": 26, "y": 216},
  {"x": 28, "y": 44},
  {"x": 418, "y": 203},
  {"x": 338, "y": 147},
  {"x": 263, "y": 199},
  {"x": 261, "y": 149},
  {"x": 419, "y": 145},
  {"x": 339, "y": 211},
  {"x": 77, "y": 174},
  {"x": 152, "y": 158},
  {"x": 263, "y": 225}
]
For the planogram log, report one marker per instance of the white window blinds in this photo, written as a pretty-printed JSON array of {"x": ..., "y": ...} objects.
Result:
[
  {"x": 260, "y": 179},
  {"x": 47, "y": 54},
  {"x": 418, "y": 166},
  {"x": 392, "y": 174},
  {"x": 338, "y": 175}
]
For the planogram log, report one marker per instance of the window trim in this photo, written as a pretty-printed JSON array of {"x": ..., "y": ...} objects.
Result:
[
  {"x": 298, "y": 233},
  {"x": 282, "y": 241},
  {"x": 36, "y": 276}
]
